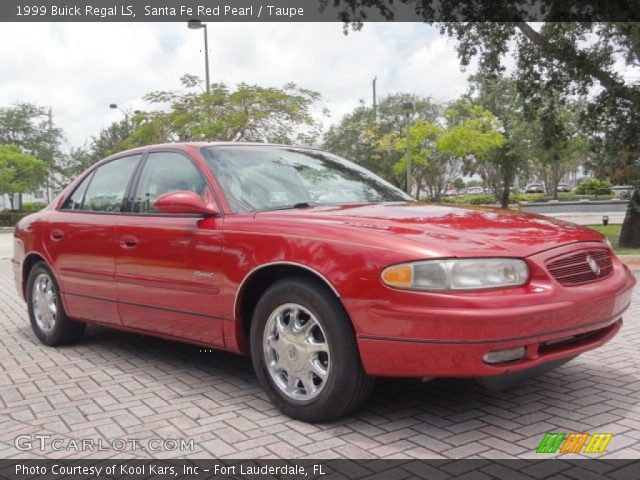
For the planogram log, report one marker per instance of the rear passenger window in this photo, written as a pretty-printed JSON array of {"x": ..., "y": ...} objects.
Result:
[
  {"x": 74, "y": 202},
  {"x": 165, "y": 172},
  {"x": 108, "y": 185}
]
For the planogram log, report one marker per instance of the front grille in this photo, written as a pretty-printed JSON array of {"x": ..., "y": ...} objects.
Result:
[{"x": 576, "y": 268}]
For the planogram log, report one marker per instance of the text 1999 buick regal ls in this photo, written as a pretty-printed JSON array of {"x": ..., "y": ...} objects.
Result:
[{"x": 325, "y": 274}]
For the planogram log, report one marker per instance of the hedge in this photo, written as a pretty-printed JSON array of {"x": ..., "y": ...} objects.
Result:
[{"x": 9, "y": 218}]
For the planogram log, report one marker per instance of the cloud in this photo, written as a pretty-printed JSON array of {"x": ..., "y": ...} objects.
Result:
[{"x": 80, "y": 68}]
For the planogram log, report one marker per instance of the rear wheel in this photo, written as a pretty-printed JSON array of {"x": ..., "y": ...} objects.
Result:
[
  {"x": 49, "y": 321},
  {"x": 304, "y": 352}
]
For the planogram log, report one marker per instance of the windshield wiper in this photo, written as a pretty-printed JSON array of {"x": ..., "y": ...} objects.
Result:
[{"x": 298, "y": 205}]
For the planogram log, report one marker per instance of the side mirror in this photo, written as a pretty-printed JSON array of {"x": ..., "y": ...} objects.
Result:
[{"x": 185, "y": 202}]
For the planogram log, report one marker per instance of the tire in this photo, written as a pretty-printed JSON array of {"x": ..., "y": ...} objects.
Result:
[
  {"x": 308, "y": 308},
  {"x": 49, "y": 321}
]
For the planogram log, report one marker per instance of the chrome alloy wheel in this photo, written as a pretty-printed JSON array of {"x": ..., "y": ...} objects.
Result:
[
  {"x": 296, "y": 352},
  {"x": 44, "y": 301}
]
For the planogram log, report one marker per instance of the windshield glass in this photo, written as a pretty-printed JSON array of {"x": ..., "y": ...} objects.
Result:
[{"x": 256, "y": 178}]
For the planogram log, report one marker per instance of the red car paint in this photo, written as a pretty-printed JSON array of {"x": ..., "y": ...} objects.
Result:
[{"x": 184, "y": 277}]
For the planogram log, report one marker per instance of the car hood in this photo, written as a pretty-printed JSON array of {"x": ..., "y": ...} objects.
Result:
[{"x": 455, "y": 231}]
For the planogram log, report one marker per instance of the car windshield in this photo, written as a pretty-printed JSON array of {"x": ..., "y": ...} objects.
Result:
[{"x": 255, "y": 178}]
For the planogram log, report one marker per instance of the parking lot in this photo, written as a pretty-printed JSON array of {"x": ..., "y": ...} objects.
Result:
[{"x": 117, "y": 387}]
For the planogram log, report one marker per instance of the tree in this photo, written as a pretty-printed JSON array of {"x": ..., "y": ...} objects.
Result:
[
  {"x": 574, "y": 59},
  {"x": 441, "y": 151},
  {"x": 19, "y": 172},
  {"x": 424, "y": 154},
  {"x": 577, "y": 58},
  {"x": 499, "y": 95},
  {"x": 357, "y": 136},
  {"x": 110, "y": 140},
  {"x": 247, "y": 114},
  {"x": 558, "y": 142},
  {"x": 31, "y": 128}
]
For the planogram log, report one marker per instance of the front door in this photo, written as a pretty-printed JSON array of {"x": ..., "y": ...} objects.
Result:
[{"x": 168, "y": 268}]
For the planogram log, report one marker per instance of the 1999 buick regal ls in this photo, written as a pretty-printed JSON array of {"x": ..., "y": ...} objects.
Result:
[{"x": 325, "y": 274}]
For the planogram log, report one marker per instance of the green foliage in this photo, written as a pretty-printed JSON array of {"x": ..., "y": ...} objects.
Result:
[
  {"x": 440, "y": 151},
  {"x": 357, "y": 136},
  {"x": 481, "y": 199},
  {"x": 593, "y": 186},
  {"x": 27, "y": 126},
  {"x": 249, "y": 113},
  {"x": 458, "y": 183},
  {"x": 19, "y": 172},
  {"x": 9, "y": 219},
  {"x": 109, "y": 140},
  {"x": 526, "y": 197},
  {"x": 33, "y": 206}
]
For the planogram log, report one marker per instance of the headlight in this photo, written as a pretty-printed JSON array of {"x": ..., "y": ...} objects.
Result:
[{"x": 457, "y": 274}]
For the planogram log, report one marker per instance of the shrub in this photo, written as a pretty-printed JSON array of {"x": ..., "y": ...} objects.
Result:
[
  {"x": 9, "y": 218},
  {"x": 593, "y": 186},
  {"x": 33, "y": 206},
  {"x": 526, "y": 197},
  {"x": 481, "y": 199}
]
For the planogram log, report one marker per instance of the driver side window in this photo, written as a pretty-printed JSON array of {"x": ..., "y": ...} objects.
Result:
[{"x": 165, "y": 172}]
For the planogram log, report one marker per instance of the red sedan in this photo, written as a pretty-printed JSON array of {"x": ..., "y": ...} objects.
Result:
[{"x": 325, "y": 274}]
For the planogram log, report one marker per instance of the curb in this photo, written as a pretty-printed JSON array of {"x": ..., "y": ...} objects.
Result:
[{"x": 632, "y": 261}]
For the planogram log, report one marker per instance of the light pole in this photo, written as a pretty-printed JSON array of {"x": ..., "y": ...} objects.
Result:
[
  {"x": 114, "y": 106},
  {"x": 195, "y": 25},
  {"x": 407, "y": 108}
]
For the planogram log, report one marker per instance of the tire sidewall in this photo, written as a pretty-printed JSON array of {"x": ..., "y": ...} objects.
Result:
[
  {"x": 333, "y": 323},
  {"x": 48, "y": 338}
]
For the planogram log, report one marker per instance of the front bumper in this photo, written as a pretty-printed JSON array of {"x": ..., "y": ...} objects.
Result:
[{"x": 410, "y": 334}]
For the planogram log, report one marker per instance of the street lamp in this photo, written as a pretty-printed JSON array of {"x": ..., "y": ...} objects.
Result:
[
  {"x": 195, "y": 24},
  {"x": 407, "y": 108},
  {"x": 114, "y": 106}
]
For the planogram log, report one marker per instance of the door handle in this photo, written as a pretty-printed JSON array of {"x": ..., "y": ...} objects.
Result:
[
  {"x": 56, "y": 235},
  {"x": 128, "y": 241}
]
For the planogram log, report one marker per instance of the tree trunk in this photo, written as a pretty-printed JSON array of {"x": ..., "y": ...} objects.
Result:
[
  {"x": 554, "y": 177},
  {"x": 506, "y": 191},
  {"x": 630, "y": 232}
]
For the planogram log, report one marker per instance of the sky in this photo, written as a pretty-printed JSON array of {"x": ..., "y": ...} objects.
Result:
[{"x": 78, "y": 69}]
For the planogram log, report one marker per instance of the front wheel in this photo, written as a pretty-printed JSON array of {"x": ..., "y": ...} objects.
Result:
[
  {"x": 49, "y": 321},
  {"x": 304, "y": 352}
]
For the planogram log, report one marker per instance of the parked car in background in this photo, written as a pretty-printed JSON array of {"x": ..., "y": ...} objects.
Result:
[
  {"x": 474, "y": 190},
  {"x": 534, "y": 188},
  {"x": 563, "y": 187},
  {"x": 325, "y": 274},
  {"x": 623, "y": 191}
]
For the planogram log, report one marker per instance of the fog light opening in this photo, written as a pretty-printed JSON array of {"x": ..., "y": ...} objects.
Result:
[{"x": 504, "y": 356}]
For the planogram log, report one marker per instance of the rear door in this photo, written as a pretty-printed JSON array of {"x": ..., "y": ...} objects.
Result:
[
  {"x": 168, "y": 266},
  {"x": 82, "y": 241}
]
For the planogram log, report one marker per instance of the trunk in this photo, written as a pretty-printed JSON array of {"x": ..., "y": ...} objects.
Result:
[
  {"x": 506, "y": 191},
  {"x": 630, "y": 232},
  {"x": 10, "y": 201},
  {"x": 419, "y": 186},
  {"x": 554, "y": 177}
]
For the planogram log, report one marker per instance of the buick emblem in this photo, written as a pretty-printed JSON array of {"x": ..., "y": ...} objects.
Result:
[{"x": 595, "y": 268}]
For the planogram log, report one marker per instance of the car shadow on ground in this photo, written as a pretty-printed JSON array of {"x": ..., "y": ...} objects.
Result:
[{"x": 440, "y": 402}]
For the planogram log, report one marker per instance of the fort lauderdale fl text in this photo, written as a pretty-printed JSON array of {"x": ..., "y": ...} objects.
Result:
[
  {"x": 201, "y": 11},
  {"x": 169, "y": 470}
]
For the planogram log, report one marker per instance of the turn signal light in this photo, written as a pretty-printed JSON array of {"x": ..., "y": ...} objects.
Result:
[{"x": 398, "y": 276}]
